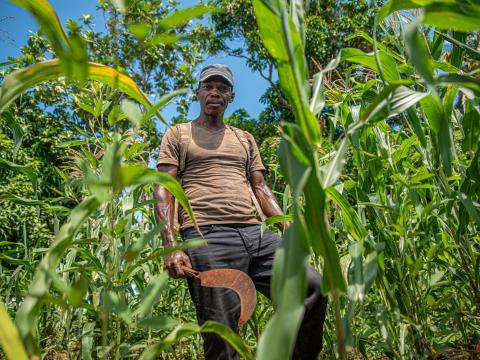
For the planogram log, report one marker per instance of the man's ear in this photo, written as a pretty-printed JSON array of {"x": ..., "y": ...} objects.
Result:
[
  {"x": 232, "y": 97},
  {"x": 195, "y": 95}
]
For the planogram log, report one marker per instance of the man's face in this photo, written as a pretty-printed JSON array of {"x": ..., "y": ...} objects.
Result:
[{"x": 214, "y": 94}]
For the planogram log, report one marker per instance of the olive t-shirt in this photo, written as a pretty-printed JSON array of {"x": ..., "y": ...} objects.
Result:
[{"x": 214, "y": 178}]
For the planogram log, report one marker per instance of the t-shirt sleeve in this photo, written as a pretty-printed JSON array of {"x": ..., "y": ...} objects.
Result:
[
  {"x": 255, "y": 159},
  {"x": 169, "y": 149}
]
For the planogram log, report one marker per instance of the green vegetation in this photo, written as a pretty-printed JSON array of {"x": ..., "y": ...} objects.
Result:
[{"x": 378, "y": 166}]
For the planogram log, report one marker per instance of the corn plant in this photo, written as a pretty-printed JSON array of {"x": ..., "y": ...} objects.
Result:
[
  {"x": 92, "y": 279},
  {"x": 388, "y": 218}
]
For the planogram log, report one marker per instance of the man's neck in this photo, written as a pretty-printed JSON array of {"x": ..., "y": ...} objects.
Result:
[{"x": 210, "y": 122}]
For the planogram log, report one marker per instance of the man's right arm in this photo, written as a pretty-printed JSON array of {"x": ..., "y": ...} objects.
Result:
[{"x": 164, "y": 210}]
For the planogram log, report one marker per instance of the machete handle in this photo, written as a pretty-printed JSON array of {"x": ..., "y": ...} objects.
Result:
[{"x": 190, "y": 272}]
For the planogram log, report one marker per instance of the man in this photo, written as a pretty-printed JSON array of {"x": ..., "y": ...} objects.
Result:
[{"x": 216, "y": 164}]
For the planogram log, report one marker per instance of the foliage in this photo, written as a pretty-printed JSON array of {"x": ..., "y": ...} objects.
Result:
[
  {"x": 380, "y": 172},
  {"x": 328, "y": 26}
]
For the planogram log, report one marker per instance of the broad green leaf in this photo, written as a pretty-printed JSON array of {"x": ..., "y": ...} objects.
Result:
[
  {"x": 393, "y": 100},
  {"x": 163, "y": 101},
  {"x": 21, "y": 200},
  {"x": 87, "y": 340},
  {"x": 183, "y": 16},
  {"x": 20, "y": 80},
  {"x": 283, "y": 42},
  {"x": 471, "y": 128},
  {"x": 71, "y": 51},
  {"x": 26, "y": 170},
  {"x": 150, "y": 295},
  {"x": 470, "y": 207},
  {"x": 317, "y": 102},
  {"x": 332, "y": 171},
  {"x": 459, "y": 15},
  {"x": 297, "y": 13},
  {"x": 134, "y": 249},
  {"x": 380, "y": 46},
  {"x": 189, "y": 329},
  {"x": 159, "y": 323},
  {"x": 10, "y": 340},
  {"x": 389, "y": 66},
  {"x": 278, "y": 219},
  {"x": 418, "y": 52},
  {"x": 47, "y": 18},
  {"x": 352, "y": 222},
  {"x": 453, "y": 14},
  {"x": 460, "y": 80},
  {"x": 17, "y": 132},
  {"x": 132, "y": 111},
  {"x": 27, "y": 315},
  {"x": 288, "y": 294}
]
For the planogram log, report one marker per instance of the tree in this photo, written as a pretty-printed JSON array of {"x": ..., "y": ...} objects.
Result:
[{"x": 329, "y": 26}]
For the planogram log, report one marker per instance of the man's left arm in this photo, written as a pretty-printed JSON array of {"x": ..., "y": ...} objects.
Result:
[{"x": 266, "y": 199}]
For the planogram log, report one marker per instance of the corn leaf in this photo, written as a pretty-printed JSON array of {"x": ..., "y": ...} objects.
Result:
[
  {"x": 189, "y": 329},
  {"x": 21, "y": 80},
  {"x": 9, "y": 338},
  {"x": 283, "y": 42},
  {"x": 27, "y": 315}
]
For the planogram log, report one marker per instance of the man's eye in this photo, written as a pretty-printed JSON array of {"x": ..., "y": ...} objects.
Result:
[{"x": 224, "y": 89}]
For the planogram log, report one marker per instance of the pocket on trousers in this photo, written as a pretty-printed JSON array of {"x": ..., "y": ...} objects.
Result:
[{"x": 191, "y": 233}]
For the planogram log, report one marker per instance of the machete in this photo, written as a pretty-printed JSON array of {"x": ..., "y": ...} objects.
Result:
[{"x": 233, "y": 279}]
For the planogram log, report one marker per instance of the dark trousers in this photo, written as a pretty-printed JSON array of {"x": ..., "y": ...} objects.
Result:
[{"x": 242, "y": 247}]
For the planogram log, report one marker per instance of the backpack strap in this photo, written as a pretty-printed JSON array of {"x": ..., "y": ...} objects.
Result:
[
  {"x": 242, "y": 137},
  {"x": 184, "y": 135},
  {"x": 183, "y": 132}
]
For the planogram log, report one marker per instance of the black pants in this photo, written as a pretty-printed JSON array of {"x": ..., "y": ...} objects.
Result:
[{"x": 241, "y": 247}]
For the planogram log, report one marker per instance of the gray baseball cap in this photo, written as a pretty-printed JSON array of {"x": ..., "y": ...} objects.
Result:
[{"x": 217, "y": 70}]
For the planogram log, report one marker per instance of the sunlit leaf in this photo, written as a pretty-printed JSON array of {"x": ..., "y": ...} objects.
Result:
[{"x": 10, "y": 340}]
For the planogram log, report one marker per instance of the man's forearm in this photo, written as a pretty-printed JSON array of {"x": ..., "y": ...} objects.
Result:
[
  {"x": 268, "y": 202},
  {"x": 164, "y": 210}
]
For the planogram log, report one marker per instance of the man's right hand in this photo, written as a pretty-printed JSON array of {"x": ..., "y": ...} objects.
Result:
[{"x": 174, "y": 263}]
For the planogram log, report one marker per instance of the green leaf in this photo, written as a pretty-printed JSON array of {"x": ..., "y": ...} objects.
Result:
[
  {"x": 134, "y": 249},
  {"x": 26, "y": 170},
  {"x": 183, "y": 16},
  {"x": 87, "y": 340},
  {"x": 471, "y": 127},
  {"x": 9, "y": 338},
  {"x": 332, "y": 171},
  {"x": 283, "y": 42},
  {"x": 317, "y": 102},
  {"x": 159, "y": 323},
  {"x": 17, "y": 132},
  {"x": 21, "y": 80},
  {"x": 288, "y": 288},
  {"x": 151, "y": 294},
  {"x": 389, "y": 66},
  {"x": 189, "y": 329},
  {"x": 418, "y": 52},
  {"x": 48, "y": 20},
  {"x": 460, "y": 80},
  {"x": 27, "y": 315},
  {"x": 350, "y": 218}
]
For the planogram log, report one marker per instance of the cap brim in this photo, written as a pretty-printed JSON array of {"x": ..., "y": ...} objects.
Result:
[{"x": 216, "y": 73}]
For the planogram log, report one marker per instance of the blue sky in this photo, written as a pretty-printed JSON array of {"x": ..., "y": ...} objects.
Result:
[{"x": 17, "y": 23}]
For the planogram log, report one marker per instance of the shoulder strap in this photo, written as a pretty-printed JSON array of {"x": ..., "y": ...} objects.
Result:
[
  {"x": 183, "y": 132},
  {"x": 184, "y": 135},
  {"x": 242, "y": 137}
]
